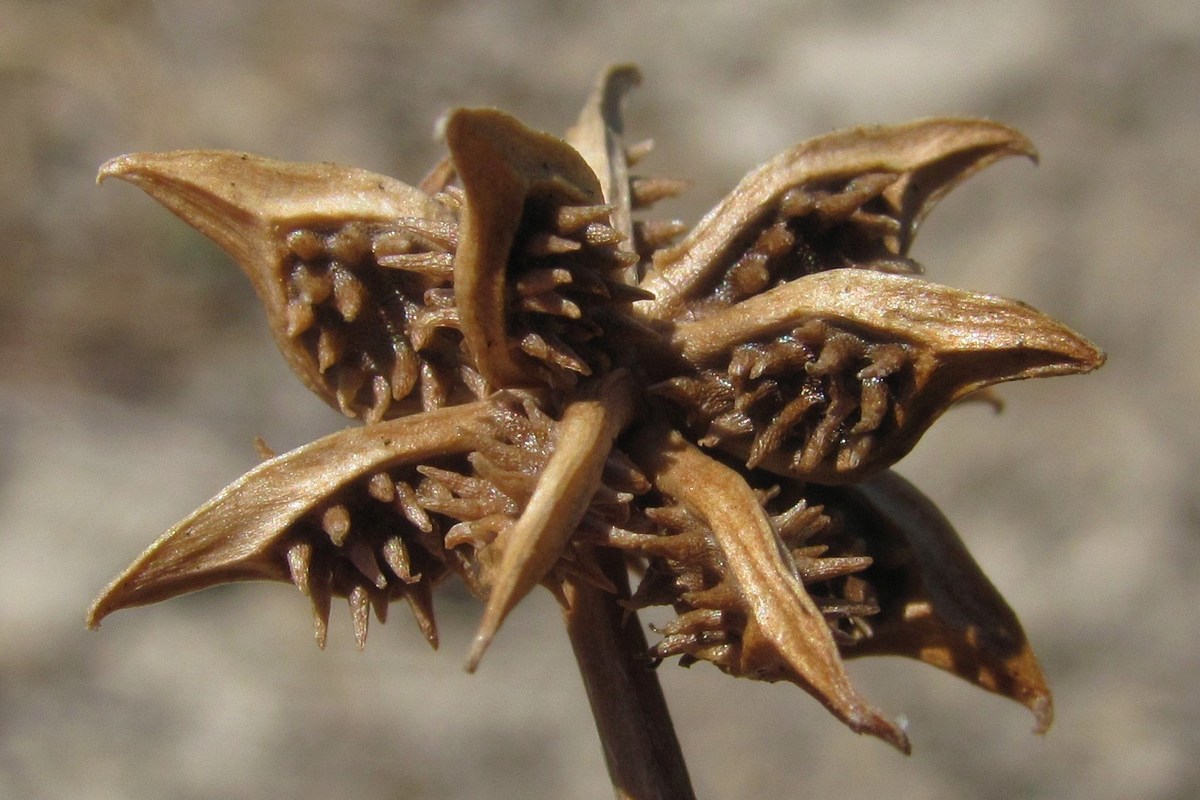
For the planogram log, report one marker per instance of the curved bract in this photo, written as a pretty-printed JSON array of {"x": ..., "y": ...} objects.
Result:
[
  {"x": 878, "y": 182},
  {"x": 343, "y": 260},
  {"x": 834, "y": 376}
]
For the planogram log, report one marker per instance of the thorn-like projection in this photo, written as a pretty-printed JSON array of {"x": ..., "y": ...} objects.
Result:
[
  {"x": 322, "y": 600},
  {"x": 360, "y": 613},
  {"x": 336, "y": 522},
  {"x": 299, "y": 559},
  {"x": 420, "y": 600},
  {"x": 570, "y": 219},
  {"x": 648, "y": 191}
]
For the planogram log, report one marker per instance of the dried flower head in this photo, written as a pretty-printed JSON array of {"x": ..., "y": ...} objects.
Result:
[{"x": 550, "y": 381}]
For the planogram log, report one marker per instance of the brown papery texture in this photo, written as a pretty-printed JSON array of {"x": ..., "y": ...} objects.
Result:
[{"x": 557, "y": 388}]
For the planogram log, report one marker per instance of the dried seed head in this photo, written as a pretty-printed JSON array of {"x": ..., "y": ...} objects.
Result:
[{"x": 539, "y": 371}]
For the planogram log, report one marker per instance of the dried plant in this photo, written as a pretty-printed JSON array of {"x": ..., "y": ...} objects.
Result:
[{"x": 557, "y": 392}]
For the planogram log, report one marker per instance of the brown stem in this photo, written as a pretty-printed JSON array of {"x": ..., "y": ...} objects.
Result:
[{"x": 640, "y": 748}]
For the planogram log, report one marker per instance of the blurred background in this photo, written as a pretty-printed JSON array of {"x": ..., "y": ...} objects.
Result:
[{"x": 137, "y": 370}]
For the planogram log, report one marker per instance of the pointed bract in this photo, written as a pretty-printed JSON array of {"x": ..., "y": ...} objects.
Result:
[
  {"x": 597, "y": 135},
  {"x": 506, "y": 170},
  {"x": 563, "y": 494},
  {"x": 242, "y": 533},
  {"x": 314, "y": 240},
  {"x": 882, "y": 181},
  {"x": 785, "y": 637},
  {"x": 855, "y": 366},
  {"x": 936, "y": 605}
]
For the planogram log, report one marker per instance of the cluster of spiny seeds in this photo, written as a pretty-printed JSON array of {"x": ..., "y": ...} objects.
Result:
[
  {"x": 565, "y": 270},
  {"x": 374, "y": 304},
  {"x": 819, "y": 393},
  {"x": 397, "y": 533},
  {"x": 374, "y": 307},
  {"x": 685, "y": 569},
  {"x": 372, "y": 543},
  {"x": 811, "y": 228}
]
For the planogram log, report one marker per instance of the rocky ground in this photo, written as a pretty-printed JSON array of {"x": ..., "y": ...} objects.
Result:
[{"x": 137, "y": 370}]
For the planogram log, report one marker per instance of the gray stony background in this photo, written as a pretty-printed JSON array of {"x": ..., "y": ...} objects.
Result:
[{"x": 137, "y": 369}]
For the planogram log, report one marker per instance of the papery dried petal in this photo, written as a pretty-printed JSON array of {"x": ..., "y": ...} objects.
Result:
[
  {"x": 237, "y": 534},
  {"x": 325, "y": 247},
  {"x": 936, "y": 605},
  {"x": 597, "y": 135},
  {"x": 858, "y": 364},
  {"x": 880, "y": 181}
]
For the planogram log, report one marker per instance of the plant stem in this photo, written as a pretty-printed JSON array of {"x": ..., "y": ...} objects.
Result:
[{"x": 640, "y": 747}]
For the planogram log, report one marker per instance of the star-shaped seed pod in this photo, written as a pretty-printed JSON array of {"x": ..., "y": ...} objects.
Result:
[{"x": 557, "y": 390}]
